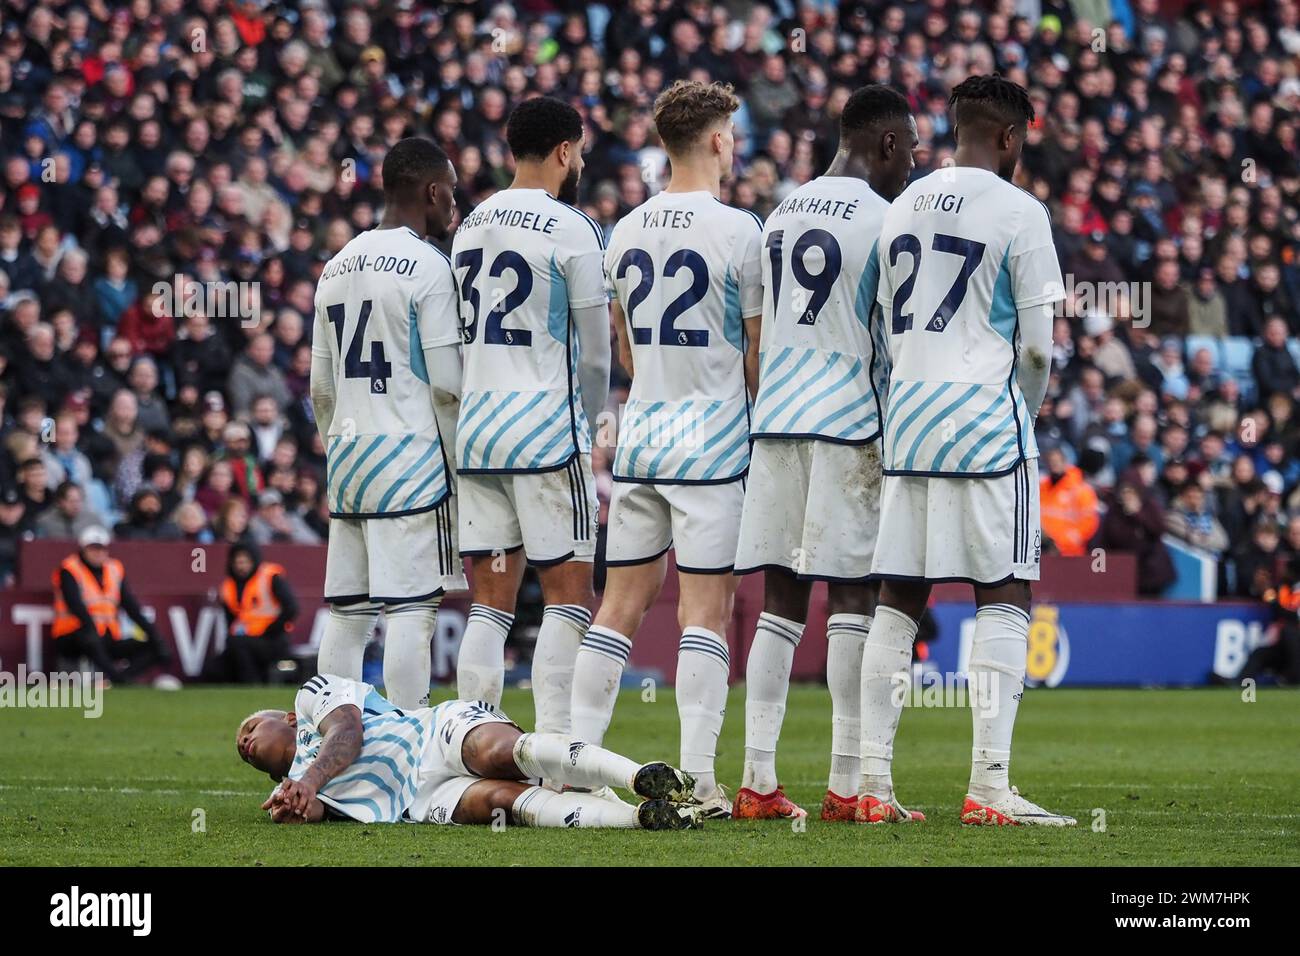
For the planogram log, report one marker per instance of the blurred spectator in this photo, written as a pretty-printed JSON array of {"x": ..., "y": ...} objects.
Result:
[
  {"x": 1068, "y": 505},
  {"x": 69, "y": 516},
  {"x": 1134, "y": 524},
  {"x": 260, "y": 608},
  {"x": 1190, "y": 520},
  {"x": 90, "y": 595},
  {"x": 273, "y": 523}
]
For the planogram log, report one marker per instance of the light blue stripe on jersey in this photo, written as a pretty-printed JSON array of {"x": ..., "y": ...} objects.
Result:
[
  {"x": 1002, "y": 311},
  {"x": 818, "y": 389},
  {"x": 515, "y": 431},
  {"x": 949, "y": 428},
  {"x": 383, "y": 465},
  {"x": 684, "y": 441},
  {"x": 377, "y": 469},
  {"x": 733, "y": 323},
  {"x": 416, "y": 355},
  {"x": 356, "y": 466}
]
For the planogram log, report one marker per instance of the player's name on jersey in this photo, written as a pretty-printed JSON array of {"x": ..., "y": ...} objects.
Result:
[
  {"x": 398, "y": 265},
  {"x": 505, "y": 216},
  {"x": 937, "y": 202},
  {"x": 667, "y": 218},
  {"x": 816, "y": 206}
]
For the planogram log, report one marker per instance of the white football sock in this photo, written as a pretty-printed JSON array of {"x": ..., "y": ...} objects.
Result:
[
  {"x": 343, "y": 644},
  {"x": 886, "y": 655},
  {"x": 596, "y": 675},
  {"x": 539, "y": 807},
  {"x": 995, "y": 683},
  {"x": 767, "y": 682},
  {"x": 558, "y": 639},
  {"x": 845, "y": 635},
  {"x": 559, "y": 759},
  {"x": 703, "y": 665},
  {"x": 481, "y": 663},
  {"x": 408, "y": 630}
]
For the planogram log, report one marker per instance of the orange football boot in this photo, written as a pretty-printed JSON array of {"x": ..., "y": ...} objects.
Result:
[
  {"x": 874, "y": 810},
  {"x": 837, "y": 809},
  {"x": 776, "y": 805}
]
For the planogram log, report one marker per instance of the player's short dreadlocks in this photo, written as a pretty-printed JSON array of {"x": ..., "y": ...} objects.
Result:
[{"x": 991, "y": 99}]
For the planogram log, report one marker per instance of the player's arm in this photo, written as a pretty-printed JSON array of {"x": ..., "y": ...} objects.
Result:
[
  {"x": 323, "y": 395},
  {"x": 589, "y": 307},
  {"x": 1036, "y": 288},
  {"x": 620, "y": 333},
  {"x": 1034, "y": 354},
  {"x": 445, "y": 377},
  {"x": 749, "y": 275},
  {"x": 440, "y": 338},
  {"x": 341, "y": 736},
  {"x": 753, "y": 328}
]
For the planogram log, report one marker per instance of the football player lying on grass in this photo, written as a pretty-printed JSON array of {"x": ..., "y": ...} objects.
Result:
[{"x": 346, "y": 752}]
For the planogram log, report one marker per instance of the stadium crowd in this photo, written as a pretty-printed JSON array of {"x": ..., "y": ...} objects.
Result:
[{"x": 149, "y": 145}]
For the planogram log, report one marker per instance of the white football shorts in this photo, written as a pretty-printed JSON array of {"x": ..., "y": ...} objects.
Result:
[
  {"x": 553, "y": 514},
  {"x": 700, "y": 522},
  {"x": 982, "y": 531},
  {"x": 394, "y": 560},
  {"x": 812, "y": 507}
]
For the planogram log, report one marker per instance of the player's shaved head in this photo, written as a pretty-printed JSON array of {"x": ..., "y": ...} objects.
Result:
[
  {"x": 412, "y": 164},
  {"x": 419, "y": 187},
  {"x": 872, "y": 106},
  {"x": 877, "y": 137}
]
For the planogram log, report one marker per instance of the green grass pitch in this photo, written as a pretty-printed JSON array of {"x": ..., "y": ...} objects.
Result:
[{"x": 1182, "y": 777}]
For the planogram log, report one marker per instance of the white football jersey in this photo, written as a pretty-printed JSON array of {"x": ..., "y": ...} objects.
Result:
[
  {"x": 685, "y": 269},
  {"x": 825, "y": 365},
  {"x": 960, "y": 252},
  {"x": 522, "y": 260},
  {"x": 381, "y": 301},
  {"x": 382, "y": 782}
]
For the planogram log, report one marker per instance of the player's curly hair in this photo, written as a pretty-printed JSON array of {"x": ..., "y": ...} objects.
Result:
[
  {"x": 411, "y": 163},
  {"x": 538, "y": 125},
  {"x": 688, "y": 109},
  {"x": 871, "y": 104},
  {"x": 991, "y": 99}
]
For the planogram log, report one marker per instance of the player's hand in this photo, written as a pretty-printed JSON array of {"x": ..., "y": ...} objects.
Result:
[{"x": 298, "y": 795}]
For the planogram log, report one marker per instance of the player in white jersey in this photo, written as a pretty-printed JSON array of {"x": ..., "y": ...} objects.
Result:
[
  {"x": 685, "y": 275},
  {"x": 812, "y": 501},
  {"x": 345, "y": 752},
  {"x": 968, "y": 283},
  {"x": 536, "y": 331},
  {"x": 385, "y": 381}
]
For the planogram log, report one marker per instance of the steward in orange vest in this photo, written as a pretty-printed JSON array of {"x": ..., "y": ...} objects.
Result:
[
  {"x": 260, "y": 609},
  {"x": 90, "y": 594}
]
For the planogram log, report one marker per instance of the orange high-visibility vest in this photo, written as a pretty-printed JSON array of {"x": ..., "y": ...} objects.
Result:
[
  {"x": 258, "y": 608},
  {"x": 103, "y": 602}
]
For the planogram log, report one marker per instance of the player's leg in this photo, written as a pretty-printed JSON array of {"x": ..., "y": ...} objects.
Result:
[
  {"x": 704, "y": 609},
  {"x": 352, "y": 614},
  {"x": 498, "y": 750},
  {"x": 489, "y": 535},
  {"x": 772, "y": 540},
  {"x": 490, "y": 801},
  {"x": 887, "y": 653},
  {"x": 705, "y": 531},
  {"x": 841, "y": 528},
  {"x": 849, "y": 609},
  {"x": 415, "y": 558},
  {"x": 995, "y": 675},
  {"x": 640, "y": 533},
  {"x": 557, "y": 513}
]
